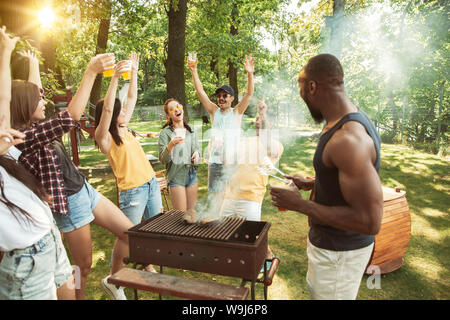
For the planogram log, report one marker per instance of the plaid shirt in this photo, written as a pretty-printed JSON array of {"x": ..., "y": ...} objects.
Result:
[{"x": 39, "y": 156}]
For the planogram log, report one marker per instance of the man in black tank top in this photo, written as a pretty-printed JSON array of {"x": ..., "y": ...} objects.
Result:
[{"x": 345, "y": 214}]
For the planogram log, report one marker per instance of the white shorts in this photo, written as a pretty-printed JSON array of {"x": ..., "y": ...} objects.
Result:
[
  {"x": 250, "y": 210},
  {"x": 335, "y": 275}
]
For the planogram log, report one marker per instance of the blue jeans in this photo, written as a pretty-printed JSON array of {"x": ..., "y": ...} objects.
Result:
[
  {"x": 141, "y": 201},
  {"x": 34, "y": 273}
]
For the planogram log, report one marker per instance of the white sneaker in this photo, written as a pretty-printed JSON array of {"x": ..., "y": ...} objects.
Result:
[{"x": 115, "y": 292}]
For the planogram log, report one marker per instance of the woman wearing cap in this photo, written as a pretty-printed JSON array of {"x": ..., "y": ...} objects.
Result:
[{"x": 179, "y": 151}]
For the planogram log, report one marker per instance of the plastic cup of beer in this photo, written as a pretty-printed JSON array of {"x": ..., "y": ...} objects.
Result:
[
  {"x": 127, "y": 74},
  {"x": 192, "y": 56},
  {"x": 284, "y": 185},
  {"x": 108, "y": 73}
]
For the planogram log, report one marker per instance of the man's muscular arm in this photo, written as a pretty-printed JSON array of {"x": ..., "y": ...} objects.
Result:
[{"x": 351, "y": 151}]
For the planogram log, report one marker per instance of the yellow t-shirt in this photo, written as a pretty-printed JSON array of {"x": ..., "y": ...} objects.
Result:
[
  {"x": 129, "y": 163},
  {"x": 247, "y": 183}
]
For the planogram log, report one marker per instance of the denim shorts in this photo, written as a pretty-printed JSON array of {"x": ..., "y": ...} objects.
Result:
[
  {"x": 34, "y": 273},
  {"x": 81, "y": 205},
  {"x": 191, "y": 178},
  {"x": 141, "y": 201}
]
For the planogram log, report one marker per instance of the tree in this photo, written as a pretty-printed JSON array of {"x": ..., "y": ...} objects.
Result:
[
  {"x": 174, "y": 63},
  {"x": 102, "y": 42},
  {"x": 335, "y": 23}
]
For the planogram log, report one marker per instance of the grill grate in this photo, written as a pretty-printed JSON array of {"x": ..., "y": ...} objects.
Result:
[{"x": 171, "y": 223}]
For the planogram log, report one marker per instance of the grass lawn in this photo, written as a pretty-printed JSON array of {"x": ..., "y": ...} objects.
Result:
[{"x": 424, "y": 274}]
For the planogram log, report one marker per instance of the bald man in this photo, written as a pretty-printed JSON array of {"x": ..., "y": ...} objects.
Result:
[{"x": 347, "y": 208}]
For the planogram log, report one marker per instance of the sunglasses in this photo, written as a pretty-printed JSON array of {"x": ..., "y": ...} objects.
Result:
[
  {"x": 178, "y": 107},
  {"x": 224, "y": 96},
  {"x": 42, "y": 93}
]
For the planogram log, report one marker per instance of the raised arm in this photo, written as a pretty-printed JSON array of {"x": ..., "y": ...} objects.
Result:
[
  {"x": 249, "y": 66},
  {"x": 102, "y": 135},
  {"x": 7, "y": 45},
  {"x": 209, "y": 106},
  {"x": 98, "y": 64},
  {"x": 8, "y": 136},
  {"x": 133, "y": 88},
  {"x": 34, "y": 75}
]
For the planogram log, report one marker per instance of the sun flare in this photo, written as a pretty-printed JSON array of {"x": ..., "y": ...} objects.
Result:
[{"x": 46, "y": 17}]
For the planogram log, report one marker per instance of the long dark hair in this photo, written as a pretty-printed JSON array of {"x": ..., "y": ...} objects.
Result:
[
  {"x": 113, "y": 125},
  {"x": 19, "y": 172},
  {"x": 169, "y": 121},
  {"x": 25, "y": 98}
]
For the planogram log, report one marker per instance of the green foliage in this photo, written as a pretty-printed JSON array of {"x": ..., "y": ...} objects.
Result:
[{"x": 394, "y": 54}]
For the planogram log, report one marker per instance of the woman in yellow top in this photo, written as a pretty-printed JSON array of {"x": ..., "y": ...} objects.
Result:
[{"x": 139, "y": 191}]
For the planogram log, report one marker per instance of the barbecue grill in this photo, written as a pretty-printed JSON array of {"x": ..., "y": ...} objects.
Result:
[{"x": 234, "y": 247}]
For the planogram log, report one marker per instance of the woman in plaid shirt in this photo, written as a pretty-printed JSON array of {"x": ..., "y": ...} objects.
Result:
[{"x": 75, "y": 202}]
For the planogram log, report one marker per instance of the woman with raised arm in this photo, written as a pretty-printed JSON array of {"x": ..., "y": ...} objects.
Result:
[
  {"x": 75, "y": 202},
  {"x": 179, "y": 151},
  {"x": 33, "y": 260},
  {"x": 140, "y": 194}
]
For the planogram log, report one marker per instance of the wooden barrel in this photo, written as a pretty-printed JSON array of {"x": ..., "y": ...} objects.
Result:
[{"x": 395, "y": 232}]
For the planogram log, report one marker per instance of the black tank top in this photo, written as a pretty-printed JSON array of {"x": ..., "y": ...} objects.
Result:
[{"x": 328, "y": 192}]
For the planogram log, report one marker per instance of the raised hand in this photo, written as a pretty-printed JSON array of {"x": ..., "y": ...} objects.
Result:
[
  {"x": 7, "y": 42},
  {"x": 134, "y": 58},
  {"x": 249, "y": 64},
  {"x": 30, "y": 55},
  {"x": 101, "y": 62},
  {"x": 121, "y": 67},
  {"x": 192, "y": 64}
]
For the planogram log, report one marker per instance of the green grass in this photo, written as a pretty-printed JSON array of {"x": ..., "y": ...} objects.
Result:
[{"x": 424, "y": 274}]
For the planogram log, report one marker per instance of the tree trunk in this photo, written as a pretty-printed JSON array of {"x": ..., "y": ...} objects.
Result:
[
  {"x": 48, "y": 50},
  {"x": 212, "y": 67},
  {"x": 335, "y": 23},
  {"x": 102, "y": 41},
  {"x": 174, "y": 63},
  {"x": 232, "y": 69}
]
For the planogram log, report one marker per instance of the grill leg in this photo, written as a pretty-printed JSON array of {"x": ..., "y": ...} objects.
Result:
[
  {"x": 135, "y": 290},
  {"x": 160, "y": 271},
  {"x": 253, "y": 289},
  {"x": 265, "y": 274}
]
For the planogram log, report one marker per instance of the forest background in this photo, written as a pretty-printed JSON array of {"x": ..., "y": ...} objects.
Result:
[{"x": 394, "y": 53}]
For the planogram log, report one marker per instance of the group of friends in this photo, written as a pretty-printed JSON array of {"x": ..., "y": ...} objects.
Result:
[{"x": 44, "y": 195}]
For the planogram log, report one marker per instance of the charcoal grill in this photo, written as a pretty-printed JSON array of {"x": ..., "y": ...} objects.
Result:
[{"x": 234, "y": 247}]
